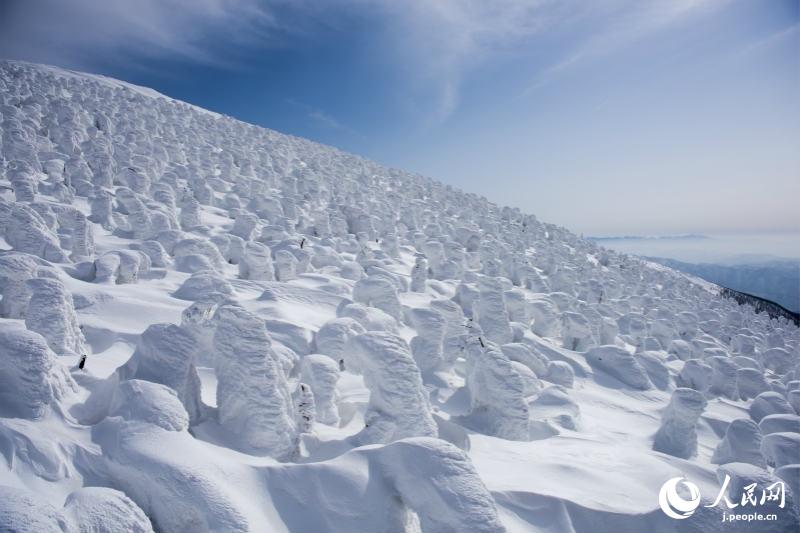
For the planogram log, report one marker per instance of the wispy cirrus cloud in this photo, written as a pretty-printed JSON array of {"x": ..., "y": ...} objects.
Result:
[
  {"x": 319, "y": 117},
  {"x": 622, "y": 23},
  {"x": 81, "y": 33},
  {"x": 433, "y": 42},
  {"x": 431, "y": 45},
  {"x": 773, "y": 39},
  {"x": 439, "y": 42},
  {"x": 442, "y": 41}
]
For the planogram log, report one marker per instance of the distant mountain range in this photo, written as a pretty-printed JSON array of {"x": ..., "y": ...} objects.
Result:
[
  {"x": 761, "y": 305},
  {"x": 775, "y": 280},
  {"x": 688, "y": 236}
]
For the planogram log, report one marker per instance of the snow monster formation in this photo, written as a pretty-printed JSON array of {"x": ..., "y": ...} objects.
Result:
[
  {"x": 207, "y": 325},
  {"x": 15, "y": 270},
  {"x": 51, "y": 313},
  {"x": 321, "y": 373},
  {"x": 165, "y": 355},
  {"x": 497, "y": 393},
  {"x": 678, "y": 432},
  {"x": 252, "y": 393},
  {"x": 31, "y": 378},
  {"x": 398, "y": 405}
]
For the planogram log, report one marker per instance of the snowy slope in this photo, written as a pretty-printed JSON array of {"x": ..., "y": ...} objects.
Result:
[{"x": 283, "y": 337}]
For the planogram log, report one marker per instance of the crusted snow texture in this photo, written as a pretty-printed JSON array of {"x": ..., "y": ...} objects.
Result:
[
  {"x": 781, "y": 449},
  {"x": 398, "y": 404},
  {"x": 285, "y": 265},
  {"x": 22, "y": 511},
  {"x": 157, "y": 404},
  {"x": 26, "y": 231},
  {"x": 190, "y": 214},
  {"x": 455, "y": 330},
  {"x": 245, "y": 226},
  {"x": 254, "y": 403},
  {"x": 166, "y": 488},
  {"x": 30, "y": 378},
  {"x": 576, "y": 332},
  {"x": 198, "y": 320},
  {"x": 191, "y": 253},
  {"x": 15, "y": 270},
  {"x": 107, "y": 268},
  {"x": 256, "y": 263},
  {"x": 530, "y": 382},
  {"x": 166, "y": 354},
  {"x": 121, "y": 266},
  {"x": 490, "y": 311},
  {"x": 695, "y": 374},
  {"x": 678, "y": 432},
  {"x": 419, "y": 274},
  {"x": 23, "y": 180},
  {"x": 80, "y": 232},
  {"x": 438, "y": 481},
  {"x": 101, "y": 204},
  {"x": 750, "y": 382},
  {"x": 305, "y": 408},
  {"x": 104, "y": 510},
  {"x": 680, "y": 349},
  {"x": 379, "y": 292},
  {"x": 769, "y": 403},
  {"x": 497, "y": 393},
  {"x": 332, "y": 337},
  {"x": 545, "y": 318},
  {"x": 620, "y": 364},
  {"x": 51, "y": 313},
  {"x": 723, "y": 377},
  {"x": 370, "y": 318},
  {"x": 427, "y": 346},
  {"x": 204, "y": 285},
  {"x": 156, "y": 252},
  {"x": 321, "y": 373},
  {"x": 779, "y": 424},
  {"x": 779, "y": 360},
  {"x": 524, "y": 354},
  {"x": 560, "y": 373},
  {"x": 741, "y": 444}
]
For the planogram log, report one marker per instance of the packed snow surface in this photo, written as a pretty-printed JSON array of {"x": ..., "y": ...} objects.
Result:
[{"x": 208, "y": 326}]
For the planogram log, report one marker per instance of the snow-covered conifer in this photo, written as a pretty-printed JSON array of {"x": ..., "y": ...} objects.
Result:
[
  {"x": 321, "y": 373},
  {"x": 51, "y": 313},
  {"x": 166, "y": 354},
  {"x": 30, "y": 377},
  {"x": 398, "y": 405},
  {"x": 678, "y": 432},
  {"x": 254, "y": 402}
]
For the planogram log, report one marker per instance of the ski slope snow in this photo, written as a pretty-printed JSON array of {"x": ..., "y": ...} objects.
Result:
[{"x": 208, "y": 326}]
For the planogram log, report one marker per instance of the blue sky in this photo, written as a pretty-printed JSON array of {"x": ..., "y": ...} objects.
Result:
[{"x": 606, "y": 116}]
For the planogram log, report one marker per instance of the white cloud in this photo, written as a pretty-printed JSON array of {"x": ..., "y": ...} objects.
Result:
[
  {"x": 81, "y": 32},
  {"x": 320, "y": 117},
  {"x": 434, "y": 41},
  {"x": 440, "y": 41},
  {"x": 623, "y": 23},
  {"x": 432, "y": 44},
  {"x": 771, "y": 40}
]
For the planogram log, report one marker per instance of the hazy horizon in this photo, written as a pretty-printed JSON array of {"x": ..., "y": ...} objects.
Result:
[{"x": 728, "y": 249}]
